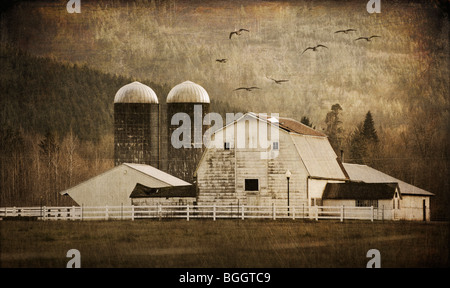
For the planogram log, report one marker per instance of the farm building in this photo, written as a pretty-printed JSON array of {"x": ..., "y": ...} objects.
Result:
[
  {"x": 253, "y": 160},
  {"x": 414, "y": 203},
  {"x": 294, "y": 165},
  {"x": 383, "y": 197},
  {"x": 115, "y": 186}
]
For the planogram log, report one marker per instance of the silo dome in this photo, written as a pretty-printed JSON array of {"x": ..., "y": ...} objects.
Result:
[
  {"x": 188, "y": 92},
  {"x": 135, "y": 92}
]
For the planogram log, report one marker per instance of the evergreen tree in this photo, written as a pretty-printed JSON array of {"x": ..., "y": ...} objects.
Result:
[
  {"x": 368, "y": 129},
  {"x": 305, "y": 120},
  {"x": 334, "y": 127}
]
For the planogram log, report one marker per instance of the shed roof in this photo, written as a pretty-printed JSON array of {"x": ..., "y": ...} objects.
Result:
[
  {"x": 292, "y": 126},
  {"x": 368, "y": 174},
  {"x": 156, "y": 173},
  {"x": 359, "y": 191},
  {"x": 142, "y": 191}
]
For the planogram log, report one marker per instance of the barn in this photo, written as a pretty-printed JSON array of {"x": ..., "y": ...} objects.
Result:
[
  {"x": 115, "y": 186},
  {"x": 260, "y": 160},
  {"x": 253, "y": 161}
]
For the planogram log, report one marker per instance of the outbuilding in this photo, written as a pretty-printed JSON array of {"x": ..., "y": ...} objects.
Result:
[{"x": 115, "y": 186}]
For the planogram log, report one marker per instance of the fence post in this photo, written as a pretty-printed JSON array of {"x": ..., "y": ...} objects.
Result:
[
  {"x": 187, "y": 213},
  {"x": 106, "y": 212},
  {"x": 342, "y": 213},
  {"x": 293, "y": 212},
  {"x": 14, "y": 211},
  {"x": 132, "y": 212},
  {"x": 214, "y": 211},
  {"x": 72, "y": 213},
  {"x": 317, "y": 213},
  {"x": 44, "y": 209},
  {"x": 242, "y": 212},
  {"x": 274, "y": 214},
  {"x": 159, "y": 211},
  {"x": 371, "y": 213}
]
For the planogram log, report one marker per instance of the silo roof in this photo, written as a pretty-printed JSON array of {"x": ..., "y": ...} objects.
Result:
[
  {"x": 135, "y": 92},
  {"x": 188, "y": 92}
]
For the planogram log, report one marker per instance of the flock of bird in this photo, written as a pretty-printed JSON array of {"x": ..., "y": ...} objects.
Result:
[{"x": 313, "y": 48}]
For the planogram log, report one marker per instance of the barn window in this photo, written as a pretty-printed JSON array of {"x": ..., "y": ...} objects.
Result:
[
  {"x": 251, "y": 184},
  {"x": 367, "y": 203},
  {"x": 275, "y": 145},
  {"x": 226, "y": 145}
]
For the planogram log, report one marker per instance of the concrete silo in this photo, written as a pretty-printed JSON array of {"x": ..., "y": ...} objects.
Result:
[
  {"x": 136, "y": 125},
  {"x": 185, "y": 100}
]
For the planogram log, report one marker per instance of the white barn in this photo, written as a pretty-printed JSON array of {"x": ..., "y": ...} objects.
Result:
[
  {"x": 249, "y": 160},
  {"x": 258, "y": 160}
]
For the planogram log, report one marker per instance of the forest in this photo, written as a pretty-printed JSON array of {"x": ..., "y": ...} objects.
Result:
[{"x": 385, "y": 104}]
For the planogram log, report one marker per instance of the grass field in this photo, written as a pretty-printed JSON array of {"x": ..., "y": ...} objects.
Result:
[{"x": 223, "y": 244}]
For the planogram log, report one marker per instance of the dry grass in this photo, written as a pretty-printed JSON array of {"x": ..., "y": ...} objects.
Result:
[{"x": 223, "y": 244}]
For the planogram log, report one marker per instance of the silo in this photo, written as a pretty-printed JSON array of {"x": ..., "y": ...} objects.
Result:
[
  {"x": 189, "y": 100},
  {"x": 136, "y": 125}
]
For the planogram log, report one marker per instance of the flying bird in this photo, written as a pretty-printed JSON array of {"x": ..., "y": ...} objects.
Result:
[
  {"x": 314, "y": 48},
  {"x": 247, "y": 88},
  {"x": 367, "y": 38},
  {"x": 278, "y": 81},
  {"x": 345, "y": 31},
  {"x": 238, "y": 32},
  {"x": 221, "y": 60}
]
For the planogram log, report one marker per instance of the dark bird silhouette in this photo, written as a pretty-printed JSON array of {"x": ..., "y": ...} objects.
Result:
[
  {"x": 367, "y": 38},
  {"x": 221, "y": 60},
  {"x": 278, "y": 81},
  {"x": 247, "y": 88},
  {"x": 238, "y": 32},
  {"x": 314, "y": 48},
  {"x": 345, "y": 31}
]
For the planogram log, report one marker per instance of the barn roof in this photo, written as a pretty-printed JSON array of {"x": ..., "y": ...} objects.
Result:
[
  {"x": 368, "y": 174},
  {"x": 359, "y": 191},
  {"x": 318, "y": 157},
  {"x": 142, "y": 191},
  {"x": 293, "y": 126}
]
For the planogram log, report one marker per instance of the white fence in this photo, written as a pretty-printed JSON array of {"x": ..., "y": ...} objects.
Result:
[{"x": 193, "y": 212}]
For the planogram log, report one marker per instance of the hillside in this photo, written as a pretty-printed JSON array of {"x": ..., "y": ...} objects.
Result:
[
  {"x": 41, "y": 94},
  {"x": 171, "y": 41}
]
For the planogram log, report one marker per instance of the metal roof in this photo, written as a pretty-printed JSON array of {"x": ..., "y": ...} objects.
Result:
[
  {"x": 135, "y": 92},
  {"x": 158, "y": 174},
  {"x": 291, "y": 125},
  {"x": 188, "y": 92},
  {"x": 367, "y": 174},
  {"x": 318, "y": 156},
  {"x": 359, "y": 191}
]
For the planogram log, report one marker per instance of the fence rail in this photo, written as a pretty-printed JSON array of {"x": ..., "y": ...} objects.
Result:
[{"x": 193, "y": 212}]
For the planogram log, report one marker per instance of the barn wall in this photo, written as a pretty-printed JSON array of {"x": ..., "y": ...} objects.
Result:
[{"x": 411, "y": 207}]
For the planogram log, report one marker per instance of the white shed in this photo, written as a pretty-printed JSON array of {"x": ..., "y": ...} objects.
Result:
[{"x": 114, "y": 187}]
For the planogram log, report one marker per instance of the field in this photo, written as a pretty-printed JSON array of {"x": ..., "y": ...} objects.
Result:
[{"x": 223, "y": 244}]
